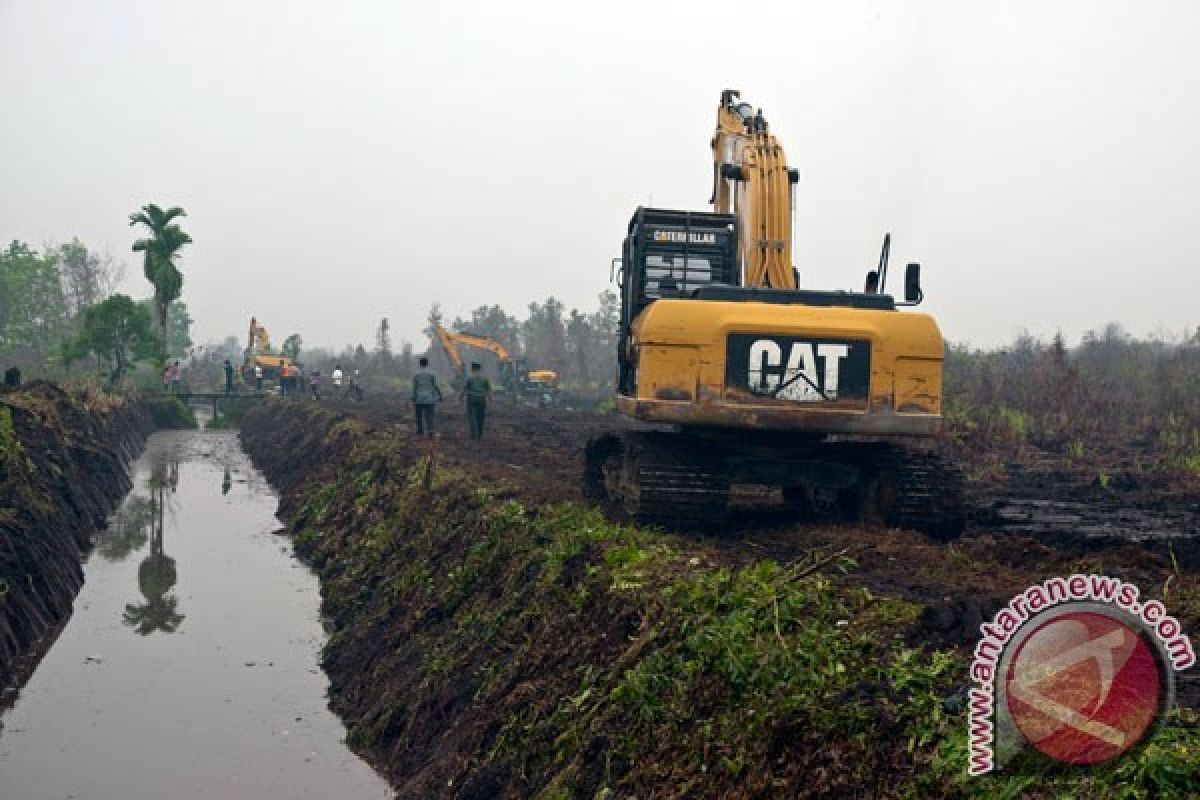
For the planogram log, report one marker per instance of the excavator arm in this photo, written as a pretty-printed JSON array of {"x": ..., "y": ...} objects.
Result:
[
  {"x": 445, "y": 339},
  {"x": 751, "y": 180},
  {"x": 451, "y": 342},
  {"x": 259, "y": 341},
  {"x": 481, "y": 342}
]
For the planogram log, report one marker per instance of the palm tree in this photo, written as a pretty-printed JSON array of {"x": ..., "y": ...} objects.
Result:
[{"x": 160, "y": 252}]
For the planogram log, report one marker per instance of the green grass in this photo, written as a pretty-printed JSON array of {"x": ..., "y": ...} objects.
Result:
[
  {"x": 12, "y": 454},
  {"x": 10, "y": 448}
]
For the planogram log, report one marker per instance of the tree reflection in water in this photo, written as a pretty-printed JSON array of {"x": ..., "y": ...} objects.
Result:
[
  {"x": 129, "y": 529},
  {"x": 156, "y": 573}
]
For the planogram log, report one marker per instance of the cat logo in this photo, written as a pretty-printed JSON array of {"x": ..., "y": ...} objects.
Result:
[{"x": 799, "y": 370}]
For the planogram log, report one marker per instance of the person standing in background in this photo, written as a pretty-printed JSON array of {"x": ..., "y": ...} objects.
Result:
[
  {"x": 425, "y": 396},
  {"x": 336, "y": 379},
  {"x": 476, "y": 392},
  {"x": 228, "y": 377}
]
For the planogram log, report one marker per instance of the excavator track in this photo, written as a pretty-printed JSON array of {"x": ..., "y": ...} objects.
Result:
[
  {"x": 682, "y": 481},
  {"x": 920, "y": 490},
  {"x": 657, "y": 479}
]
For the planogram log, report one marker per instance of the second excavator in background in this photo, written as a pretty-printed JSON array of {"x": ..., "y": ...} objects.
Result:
[
  {"x": 258, "y": 353},
  {"x": 456, "y": 350},
  {"x": 830, "y": 400}
]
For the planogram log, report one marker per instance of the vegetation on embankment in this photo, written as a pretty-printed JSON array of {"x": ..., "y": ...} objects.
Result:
[
  {"x": 483, "y": 647},
  {"x": 64, "y": 455},
  {"x": 230, "y": 411},
  {"x": 1124, "y": 412}
]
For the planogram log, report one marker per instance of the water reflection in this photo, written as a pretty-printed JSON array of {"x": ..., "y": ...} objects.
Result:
[
  {"x": 157, "y": 574},
  {"x": 233, "y": 706},
  {"x": 227, "y": 481},
  {"x": 129, "y": 531}
]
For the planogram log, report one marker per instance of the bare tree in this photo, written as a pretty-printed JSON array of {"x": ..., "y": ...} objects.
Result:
[
  {"x": 434, "y": 320},
  {"x": 88, "y": 277},
  {"x": 383, "y": 343},
  {"x": 406, "y": 360}
]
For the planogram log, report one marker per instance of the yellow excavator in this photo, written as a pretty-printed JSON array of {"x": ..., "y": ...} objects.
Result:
[
  {"x": 827, "y": 399},
  {"x": 460, "y": 348},
  {"x": 258, "y": 354}
]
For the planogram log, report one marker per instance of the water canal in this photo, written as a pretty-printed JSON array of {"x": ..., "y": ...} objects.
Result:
[{"x": 189, "y": 668}]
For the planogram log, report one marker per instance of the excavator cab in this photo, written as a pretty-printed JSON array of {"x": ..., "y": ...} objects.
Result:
[{"x": 670, "y": 254}]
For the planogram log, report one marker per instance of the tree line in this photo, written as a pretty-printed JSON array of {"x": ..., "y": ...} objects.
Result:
[
  {"x": 1110, "y": 389},
  {"x": 60, "y": 311},
  {"x": 580, "y": 345}
]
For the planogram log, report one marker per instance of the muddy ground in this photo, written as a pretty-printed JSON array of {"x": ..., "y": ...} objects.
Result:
[
  {"x": 1034, "y": 514},
  {"x": 1048, "y": 503},
  {"x": 479, "y": 652}
]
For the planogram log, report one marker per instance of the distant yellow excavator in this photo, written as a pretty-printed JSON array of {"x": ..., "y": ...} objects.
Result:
[
  {"x": 824, "y": 397},
  {"x": 258, "y": 353},
  {"x": 460, "y": 349}
]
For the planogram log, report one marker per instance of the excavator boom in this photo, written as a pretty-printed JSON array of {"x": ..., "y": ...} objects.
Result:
[
  {"x": 751, "y": 181},
  {"x": 454, "y": 344}
]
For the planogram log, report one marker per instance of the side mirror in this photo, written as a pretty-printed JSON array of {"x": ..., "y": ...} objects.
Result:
[{"x": 912, "y": 284}]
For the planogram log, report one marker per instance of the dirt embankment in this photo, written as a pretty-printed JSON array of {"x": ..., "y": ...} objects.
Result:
[
  {"x": 493, "y": 638},
  {"x": 63, "y": 469}
]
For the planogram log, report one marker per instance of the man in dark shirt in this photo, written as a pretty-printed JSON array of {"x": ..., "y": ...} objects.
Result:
[
  {"x": 228, "y": 377},
  {"x": 476, "y": 392}
]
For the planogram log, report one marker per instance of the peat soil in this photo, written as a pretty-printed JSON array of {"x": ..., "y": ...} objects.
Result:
[
  {"x": 64, "y": 458},
  {"x": 536, "y": 455}
]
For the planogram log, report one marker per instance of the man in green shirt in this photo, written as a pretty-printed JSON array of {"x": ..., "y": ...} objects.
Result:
[{"x": 476, "y": 392}]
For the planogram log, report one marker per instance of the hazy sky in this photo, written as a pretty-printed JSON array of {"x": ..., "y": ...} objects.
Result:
[{"x": 346, "y": 161}]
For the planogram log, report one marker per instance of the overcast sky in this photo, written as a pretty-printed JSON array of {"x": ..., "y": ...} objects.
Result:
[{"x": 345, "y": 161}]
